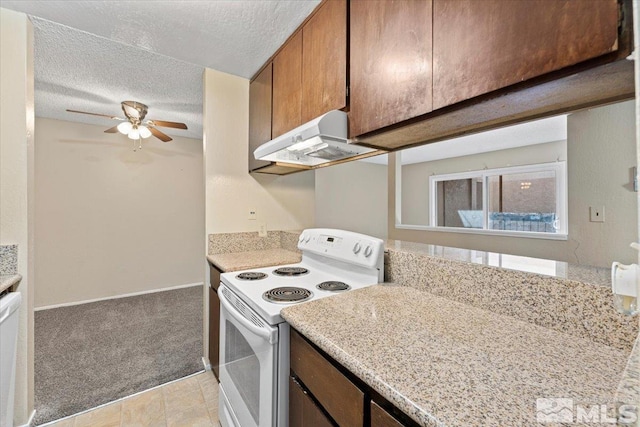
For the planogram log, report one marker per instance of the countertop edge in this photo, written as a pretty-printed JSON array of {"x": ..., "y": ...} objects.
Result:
[{"x": 9, "y": 280}]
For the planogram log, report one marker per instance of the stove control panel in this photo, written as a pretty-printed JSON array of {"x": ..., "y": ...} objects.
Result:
[
  {"x": 330, "y": 241},
  {"x": 346, "y": 246}
]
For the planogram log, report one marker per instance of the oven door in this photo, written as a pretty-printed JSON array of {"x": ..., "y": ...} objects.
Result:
[{"x": 248, "y": 364}]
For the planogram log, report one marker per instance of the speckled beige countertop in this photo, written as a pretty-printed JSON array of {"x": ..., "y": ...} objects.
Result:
[
  {"x": 8, "y": 280},
  {"x": 236, "y": 261},
  {"x": 629, "y": 387},
  {"x": 445, "y": 363}
]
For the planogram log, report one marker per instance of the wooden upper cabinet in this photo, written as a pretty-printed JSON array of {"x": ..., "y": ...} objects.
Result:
[
  {"x": 324, "y": 60},
  {"x": 390, "y": 62},
  {"x": 259, "y": 114},
  {"x": 287, "y": 87},
  {"x": 481, "y": 46}
]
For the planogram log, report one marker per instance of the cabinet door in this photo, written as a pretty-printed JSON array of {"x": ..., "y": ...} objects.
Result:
[
  {"x": 259, "y": 114},
  {"x": 381, "y": 418},
  {"x": 340, "y": 397},
  {"x": 287, "y": 87},
  {"x": 324, "y": 60},
  {"x": 481, "y": 46},
  {"x": 390, "y": 63},
  {"x": 303, "y": 411}
]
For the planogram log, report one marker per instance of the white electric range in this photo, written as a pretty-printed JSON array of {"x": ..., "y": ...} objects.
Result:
[{"x": 254, "y": 339}]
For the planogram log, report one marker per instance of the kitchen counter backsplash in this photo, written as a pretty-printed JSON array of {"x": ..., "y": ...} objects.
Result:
[
  {"x": 8, "y": 259},
  {"x": 578, "y": 301},
  {"x": 223, "y": 243}
]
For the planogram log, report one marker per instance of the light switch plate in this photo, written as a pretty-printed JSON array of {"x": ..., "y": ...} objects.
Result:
[
  {"x": 596, "y": 213},
  {"x": 253, "y": 214}
]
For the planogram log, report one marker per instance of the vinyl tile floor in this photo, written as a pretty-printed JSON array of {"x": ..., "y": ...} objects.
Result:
[{"x": 189, "y": 402}]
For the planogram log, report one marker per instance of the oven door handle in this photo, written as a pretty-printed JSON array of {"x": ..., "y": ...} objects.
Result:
[{"x": 261, "y": 332}]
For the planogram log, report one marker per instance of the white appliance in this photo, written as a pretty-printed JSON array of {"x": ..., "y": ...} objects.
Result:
[
  {"x": 254, "y": 339},
  {"x": 322, "y": 140},
  {"x": 9, "y": 305}
]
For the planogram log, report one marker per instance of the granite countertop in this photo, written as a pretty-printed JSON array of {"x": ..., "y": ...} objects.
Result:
[
  {"x": 629, "y": 387},
  {"x": 445, "y": 363},
  {"x": 8, "y": 280},
  {"x": 235, "y": 261}
]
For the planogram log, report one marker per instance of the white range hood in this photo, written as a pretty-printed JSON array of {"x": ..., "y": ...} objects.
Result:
[{"x": 322, "y": 140}]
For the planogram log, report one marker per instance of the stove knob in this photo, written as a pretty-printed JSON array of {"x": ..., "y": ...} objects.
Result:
[
  {"x": 302, "y": 236},
  {"x": 367, "y": 251},
  {"x": 306, "y": 239},
  {"x": 356, "y": 248}
]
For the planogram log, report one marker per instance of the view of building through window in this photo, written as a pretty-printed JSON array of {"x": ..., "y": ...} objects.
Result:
[
  {"x": 510, "y": 199},
  {"x": 523, "y": 202}
]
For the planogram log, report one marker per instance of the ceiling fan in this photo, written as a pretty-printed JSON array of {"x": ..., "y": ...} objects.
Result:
[{"x": 134, "y": 125}]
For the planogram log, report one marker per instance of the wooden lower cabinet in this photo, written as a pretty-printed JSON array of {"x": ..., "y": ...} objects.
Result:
[
  {"x": 303, "y": 411},
  {"x": 214, "y": 321},
  {"x": 323, "y": 393},
  {"x": 381, "y": 418},
  {"x": 340, "y": 397}
]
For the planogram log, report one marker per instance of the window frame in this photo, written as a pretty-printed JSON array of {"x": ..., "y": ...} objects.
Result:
[{"x": 560, "y": 169}]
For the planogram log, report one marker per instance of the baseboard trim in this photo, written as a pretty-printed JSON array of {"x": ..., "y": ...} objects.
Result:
[
  {"x": 133, "y": 294},
  {"x": 206, "y": 363},
  {"x": 30, "y": 422}
]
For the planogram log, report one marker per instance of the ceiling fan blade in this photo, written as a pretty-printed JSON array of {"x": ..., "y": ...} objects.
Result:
[
  {"x": 160, "y": 135},
  {"x": 96, "y": 114},
  {"x": 166, "y": 124},
  {"x": 112, "y": 130}
]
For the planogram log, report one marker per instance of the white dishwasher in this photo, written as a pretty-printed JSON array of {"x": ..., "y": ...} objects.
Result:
[{"x": 9, "y": 305}]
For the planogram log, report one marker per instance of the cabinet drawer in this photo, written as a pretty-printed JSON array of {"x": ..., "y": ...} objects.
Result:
[
  {"x": 381, "y": 418},
  {"x": 303, "y": 412},
  {"x": 339, "y": 396}
]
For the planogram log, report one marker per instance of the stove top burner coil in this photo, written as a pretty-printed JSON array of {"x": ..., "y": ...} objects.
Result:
[
  {"x": 251, "y": 275},
  {"x": 333, "y": 286},
  {"x": 287, "y": 294},
  {"x": 290, "y": 271}
]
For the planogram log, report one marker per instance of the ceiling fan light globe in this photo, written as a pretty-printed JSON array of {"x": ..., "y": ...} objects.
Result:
[
  {"x": 144, "y": 131},
  {"x": 125, "y": 127},
  {"x": 134, "y": 134}
]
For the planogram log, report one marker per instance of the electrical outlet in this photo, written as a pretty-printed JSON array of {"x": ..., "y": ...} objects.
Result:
[
  {"x": 262, "y": 229},
  {"x": 253, "y": 214},
  {"x": 596, "y": 213}
]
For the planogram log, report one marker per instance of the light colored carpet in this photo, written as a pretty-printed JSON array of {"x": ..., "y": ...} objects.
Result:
[{"x": 91, "y": 354}]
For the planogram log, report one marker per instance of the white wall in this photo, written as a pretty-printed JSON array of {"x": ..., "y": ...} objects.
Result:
[
  {"x": 600, "y": 154},
  {"x": 16, "y": 183},
  {"x": 282, "y": 202},
  {"x": 111, "y": 221},
  {"x": 353, "y": 196}
]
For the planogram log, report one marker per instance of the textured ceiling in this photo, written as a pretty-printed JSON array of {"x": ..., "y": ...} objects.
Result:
[
  {"x": 153, "y": 52},
  {"x": 80, "y": 71},
  {"x": 236, "y": 37}
]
